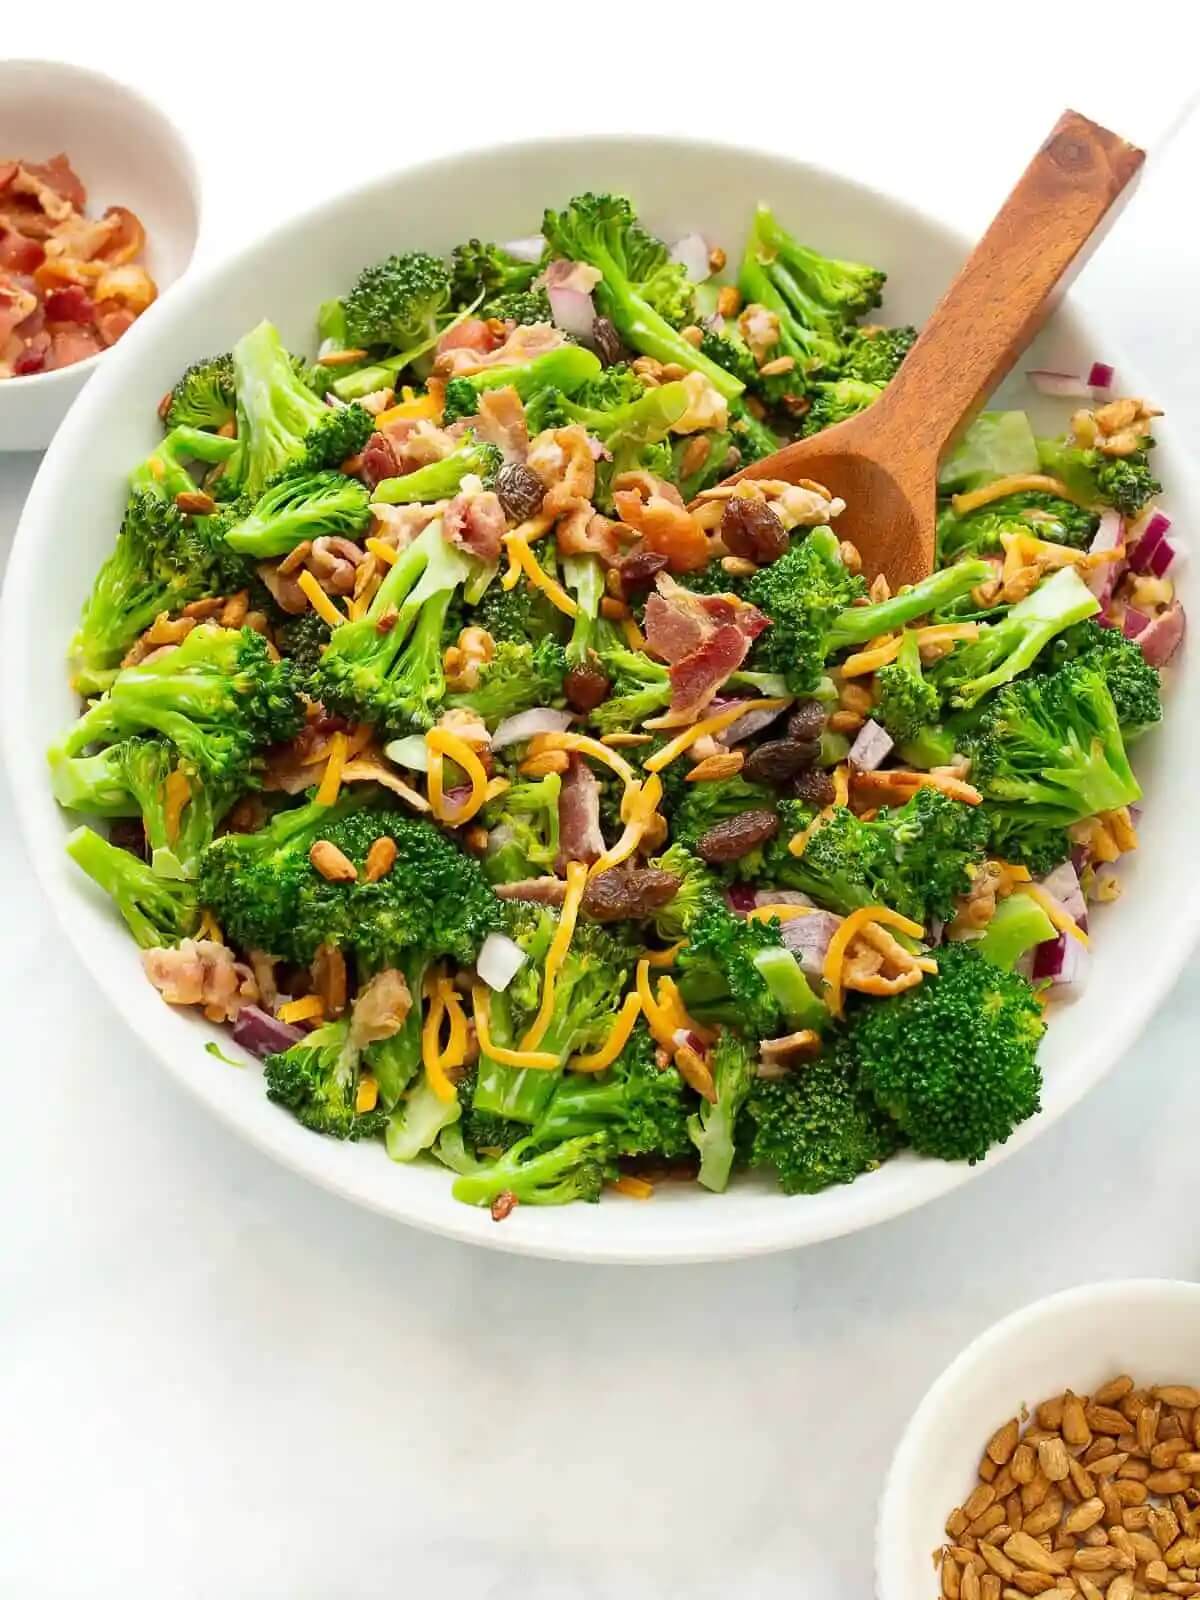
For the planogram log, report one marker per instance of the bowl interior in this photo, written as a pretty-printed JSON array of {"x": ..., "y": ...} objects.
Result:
[
  {"x": 679, "y": 186},
  {"x": 1149, "y": 1329}
]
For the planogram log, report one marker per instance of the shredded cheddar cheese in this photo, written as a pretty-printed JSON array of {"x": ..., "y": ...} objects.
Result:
[
  {"x": 635, "y": 1188},
  {"x": 431, "y": 1055},
  {"x": 664, "y": 958},
  {"x": 608, "y": 1052},
  {"x": 658, "y": 1020},
  {"x": 638, "y": 805},
  {"x": 210, "y": 928},
  {"x": 177, "y": 791},
  {"x": 870, "y": 660},
  {"x": 366, "y": 1096},
  {"x": 309, "y": 1008},
  {"x": 319, "y": 600},
  {"x": 382, "y": 552},
  {"x": 425, "y": 406},
  {"x": 440, "y": 742},
  {"x": 331, "y": 778},
  {"x": 1015, "y": 483},
  {"x": 624, "y": 741},
  {"x": 634, "y": 637},
  {"x": 585, "y": 746},
  {"x": 577, "y": 875},
  {"x": 841, "y": 784},
  {"x": 522, "y": 559},
  {"x": 1120, "y": 826},
  {"x": 714, "y": 725},
  {"x": 1058, "y": 913},
  {"x": 851, "y": 926},
  {"x": 455, "y": 1052},
  {"x": 481, "y": 1000}
]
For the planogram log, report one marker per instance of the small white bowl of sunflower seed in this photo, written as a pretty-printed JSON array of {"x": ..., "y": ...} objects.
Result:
[{"x": 1058, "y": 1456}]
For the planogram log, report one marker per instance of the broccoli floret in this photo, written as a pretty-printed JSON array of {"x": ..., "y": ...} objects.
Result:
[
  {"x": 641, "y": 1109},
  {"x": 302, "y": 639},
  {"x": 874, "y": 354},
  {"x": 402, "y": 302},
  {"x": 617, "y": 386},
  {"x": 517, "y": 678},
  {"x": 523, "y": 306},
  {"x": 523, "y": 822},
  {"x": 640, "y": 688},
  {"x": 157, "y": 911},
  {"x": 642, "y": 291},
  {"x": 1031, "y": 843},
  {"x": 1031, "y": 512},
  {"x": 730, "y": 351},
  {"x": 908, "y": 702},
  {"x": 521, "y": 615},
  {"x": 819, "y": 1125},
  {"x": 217, "y": 696},
  {"x": 281, "y": 422},
  {"x": 954, "y": 1061},
  {"x": 441, "y": 480},
  {"x": 317, "y": 1080},
  {"x": 205, "y": 396},
  {"x": 751, "y": 437},
  {"x": 703, "y": 805},
  {"x": 566, "y": 368},
  {"x": 1050, "y": 748},
  {"x": 1124, "y": 482},
  {"x": 1136, "y": 686},
  {"x": 162, "y": 561},
  {"x": 1006, "y": 648},
  {"x": 803, "y": 592},
  {"x": 914, "y": 858},
  {"x": 833, "y": 402},
  {"x": 713, "y": 1128},
  {"x": 565, "y": 1172},
  {"x": 306, "y": 505},
  {"x": 489, "y": 270},
  {"x": 738, "y": 973},
  {"x": 698, "y": 890},
  {"x": 395, "y": 679},
  {"x": 1017, "y": 926},
  {"x": 164, "y": 474}
]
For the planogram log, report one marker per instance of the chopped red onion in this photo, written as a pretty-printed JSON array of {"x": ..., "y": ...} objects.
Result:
[
  {"x": 1134, "y": 622},
  {"x": 1063, "y": 961},
  {"x": 872, "y": 746},
  {"x": 573, "y": 312},
  {"x": 747, "y": 726},
  {"x": 1102, "y": 579},
  {"x": 692, "y": 254},
  {"x": 1063, "y": 885},
  {"x": 1163, "y": 559},
  {"x": 500, "y": 959},
  {"x": 808, "y": 939},
  {"x": 262, "y": 1034},
  {"x": 1101, "y": 376},
  {"x": 540, "y": 719},
  {"x": 529, "y": 249},
  {"x": 685, "y": 1037},
  {"x": 597, "y": 451},
  {"x": 741, "y": 898},
  {"x": 1149, "y": 539}
]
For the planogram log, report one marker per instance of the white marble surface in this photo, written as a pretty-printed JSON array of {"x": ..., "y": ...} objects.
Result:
[{"x": 216, "y": 1381}]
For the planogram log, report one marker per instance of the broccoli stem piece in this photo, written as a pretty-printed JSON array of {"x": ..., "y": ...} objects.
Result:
[
  {"x": 781, "y": 973},
  {"x": 712, "y": 1129},
  {"x": 1018, "y": 925},
  {"x": 573, "y": 1170},
  {"x": 856, "y": 624},
  {"x": 157, "y": 911},
  {"x": 585, "y": 576},
  {"x": 441, "y": 480},
  {"x": 418, "y": 1120}
]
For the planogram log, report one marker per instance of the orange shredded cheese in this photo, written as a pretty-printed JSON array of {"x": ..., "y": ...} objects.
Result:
[
  {"x": 658, "y": 1019},
  {"x": 631, "y": 1010},
  {"x": 496, "y": 786},
  {"x": 577, "y": 875},
  {"x": 871, "y": 659},
  {"x": 947, "y": 632},
  {"x": 431, "y": 1055},
  {"x": 664, "y": 958},
  {"x": 1058, "y": 913},
  {"x": 209, "y": 928},
  {"x": 670, "y": 998},
  {"x": 455, "y": 1052},
  {"x": 481, "y": 1001},
  {"x": 638, "y": 805},
  {"x": 177, "y": 791},
  {"x": 634, "y": 637},
  {"x": 522, "y": 559},
  {"x": 584, "y": 746},
  {"x": 309, "y": 1008},
  {"x": 714, "y": 724},
  {"x": 851, "y": 926},
  {"x": 382, "y": 552},
  {"x": 331, "y": 778},
  {"x": 635, "y": 1188},
  {"x": 1015, "y": 483},
  {"x": 366, "y": 1096},
  {"x": 440, "y": 742},
  {"x": 624, "y": 741},
  {"x": 898, "y": 785},
  {"x": 426, "y": 405},
  {"x": 1121, "y": 828},
  {"x": 319, "y": 600},
  {"x": 841, "y": 784}
]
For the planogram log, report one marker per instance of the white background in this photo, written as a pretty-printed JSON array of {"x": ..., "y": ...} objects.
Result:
[{"x": 216, "y": 1381}]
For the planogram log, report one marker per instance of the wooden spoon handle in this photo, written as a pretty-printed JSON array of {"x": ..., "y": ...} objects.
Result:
[{"x": 1043, "y": 234}]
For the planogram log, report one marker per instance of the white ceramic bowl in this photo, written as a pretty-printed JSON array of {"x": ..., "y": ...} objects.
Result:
[
  {"x": 1149, "y": 1328},
  {"x": 127, "y": 152},
  {"x": 76, "y": 503}
]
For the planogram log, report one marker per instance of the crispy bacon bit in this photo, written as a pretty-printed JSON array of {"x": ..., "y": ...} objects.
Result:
[
  {"x": 703, "y": 638},
  {"x": 473, "y": 334},
  {"x": 71, "y": 304},
  {"x": 200, "y": 972},
  {"x": 523, "y": 343},
  {"x": 500, "y": 420},
  {"x": 398, "y": 526},
  {"x": 1163, "y": 637},
  {"x": 538, "y": 891},
  {"x": 580, "y": 838},
  {"x": 655, "y": 509},
  {"x": 504, "y": 1205},
  {"x": 475, "y": 522},
  {"x": 378, "y": 460},
  {"x": 380, "y": 1008}
]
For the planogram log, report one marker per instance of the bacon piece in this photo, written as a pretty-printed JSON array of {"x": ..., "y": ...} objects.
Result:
[
  {"x": 473, "y": 334},
  {"x": 696, "y": 678},
  {"x": 563, "y": 460},
  {"x": 8, "y": 171},
  {"x": 380, "y": 1008},
  {"x": 584, "y": 532},
  {"x": 539, "y": 891},
  {"x": 58, "y": 175},
  {"x": 70, "y": 343},
  {"x": 501, "y": 421},
  {"x": 113, "y": 320},
  {"x": 523, "y": 343},
  {"x": 678, "y": 622},
  {"x": 416, "y": 442},
  {"x": 71, "y": 304},
  {"x": 16, "y": 303},
  {"x": 579, "y": 835},
  {"x": 200, "y": 972},
  {"x": 82, "y": 238},
  {"x": 32, "y": 359},
  {"x": 126, "y": 236},
  {"x": 19, "y": 254},
  {"x": 475, "y": 522},
  {"x": 400, "y": 525},
  {"x": 655, "y": 509},
  {"x": 378, "y": 460},
  {"x": 1163, "y": 637}
]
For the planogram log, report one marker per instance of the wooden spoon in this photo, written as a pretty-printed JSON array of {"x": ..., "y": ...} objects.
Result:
[{"x": 883, "y": 462}]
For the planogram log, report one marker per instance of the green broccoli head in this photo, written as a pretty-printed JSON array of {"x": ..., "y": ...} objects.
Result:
[
  {"x": 157, "y": 911},
  {"x": 517, "y": 678},
  {"x": 317, "y": 1080},
  {"x": 523, "y": 824},
  {"x": 1030, "y": 512},
  {"x": 738, "y": 973},
  {"x": 954, "y": 1061},
  {"x": 403, "y": 301},
  {"x": 1136, "y": 686},
  {"x": 819, "y": 1125},
  {"x": 698, "y": 890},
  {"x": 521, "y": 615},
  {"x": 520, "y": 306},
  {"x": 873, "y": 355},
  {"x": 301, "y": 505},
  {"x": 640, "y": 1107},
  {"x": 573, "y": 1170},
  {"x": 803, "y": 593},
  {"x": 478, "y": 268},
  {"x": 835, "y": 401},
  {"x": 640, "y": 688},
  {"x": 1124, "y": 482},
  {"x": 703, "y": 805},
  {"x": 907, "y": 702},
  {"x": 565, "y": 368},
  {"x": 205, "y": 396},
  {"x": 302, "y": 639}
]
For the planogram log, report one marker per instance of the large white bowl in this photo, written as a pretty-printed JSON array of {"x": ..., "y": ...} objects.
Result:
[
  {"x": 74, "y": 509},
  {"x": 1149, "y": 1328}
]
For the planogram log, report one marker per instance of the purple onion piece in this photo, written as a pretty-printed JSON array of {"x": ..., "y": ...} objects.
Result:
[
  {"x": 871, "y": 747},
  {"x": 262, "y": 1034}
]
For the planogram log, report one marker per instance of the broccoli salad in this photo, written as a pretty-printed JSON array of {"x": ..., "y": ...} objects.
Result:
[{"x": 531, "y": 799}]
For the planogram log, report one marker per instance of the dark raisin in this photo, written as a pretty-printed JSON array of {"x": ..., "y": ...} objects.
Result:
[
  {"x": 640, "y": 568},
  {"x": 585, "y": 688},
  {"x": 749, "y": 528},
  {"x": 624, "y": 892},
  {"x": 816, "y": 787},
  {"x": 737, "y": 836},
  {"x": 127, "y": 833},
  {"x": 807, "y": 721},
  {"x": 520, "y": 491},
  {"x": 606, "y": 342},
  {"x": 777, "y": 760}
]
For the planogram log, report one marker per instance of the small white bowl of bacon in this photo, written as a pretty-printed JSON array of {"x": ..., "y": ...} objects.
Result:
[{"x": 99, "y": 213}]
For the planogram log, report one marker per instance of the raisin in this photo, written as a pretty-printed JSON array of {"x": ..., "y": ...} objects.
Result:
[
  {"x": 624, "y": 892},
  {"x": 807, "y": 721},
  {"x": 520, "y": 491},
  {"x": 737, "y": 836},
  {"x": 606, "y": 342},
  {"x": 127, "y": 833},
  {"x": 640, "y": 568},
  {"x": 585, "y": 688},
  {"x": 749, "y": 528},
  {"x": 816, "y": 787},
  {"x": 777, "y": 760}
]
